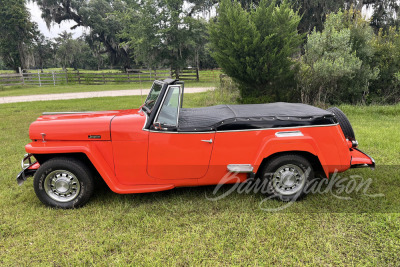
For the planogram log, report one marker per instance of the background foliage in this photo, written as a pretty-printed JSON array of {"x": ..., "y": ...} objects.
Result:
[
  {"x": 345, "y": 58},
  {"x": 254, "y": 48},
  {"x": 16, "y": 33},
  {"x": 336, "y": 67}
]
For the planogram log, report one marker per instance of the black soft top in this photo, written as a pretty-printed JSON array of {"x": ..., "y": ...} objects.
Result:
[{"x": 252, "y": 116}]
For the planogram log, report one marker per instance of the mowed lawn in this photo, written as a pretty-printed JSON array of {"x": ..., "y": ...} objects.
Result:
[{"x": 183, "y": 227}]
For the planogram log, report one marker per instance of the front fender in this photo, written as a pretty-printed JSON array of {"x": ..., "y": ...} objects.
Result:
[{"x": 95, "y": 153}]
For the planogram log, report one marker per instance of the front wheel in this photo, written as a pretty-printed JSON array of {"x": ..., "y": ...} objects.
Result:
[
  {"x": 287, "y": 176},
  {"x": 63, "y": 183}
]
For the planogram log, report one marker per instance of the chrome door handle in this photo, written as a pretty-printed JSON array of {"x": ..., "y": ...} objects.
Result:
[{"x": 207, "y": 141}]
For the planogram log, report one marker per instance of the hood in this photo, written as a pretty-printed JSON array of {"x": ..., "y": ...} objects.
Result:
[{"x": 74, "y": 126}]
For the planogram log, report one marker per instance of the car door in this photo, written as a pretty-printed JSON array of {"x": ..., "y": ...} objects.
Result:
[{"x": 173, "y": 154}]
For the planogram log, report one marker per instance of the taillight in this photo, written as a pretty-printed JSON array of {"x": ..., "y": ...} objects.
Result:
[{"x": 352, "y": 143}]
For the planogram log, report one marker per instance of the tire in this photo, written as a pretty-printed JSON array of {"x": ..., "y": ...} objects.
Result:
[
  {"x": 63, "y": 183},
  {"x": 287, "y": 176},
  {"x": 344, "y": 123}
]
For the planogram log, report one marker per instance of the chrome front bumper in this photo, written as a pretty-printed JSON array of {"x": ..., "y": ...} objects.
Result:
[{"x": 28, "y": 168}]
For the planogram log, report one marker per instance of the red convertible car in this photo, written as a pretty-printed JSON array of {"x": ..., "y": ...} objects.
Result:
[{"x": 161, "y": 146}]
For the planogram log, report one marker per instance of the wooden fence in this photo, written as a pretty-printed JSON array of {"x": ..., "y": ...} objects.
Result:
[
  {"x": 10, "y": 79},
  {"x": 35, "y": 77},
  {"x": 38, "y": 78},
  {"x": 186, "y": 74}
]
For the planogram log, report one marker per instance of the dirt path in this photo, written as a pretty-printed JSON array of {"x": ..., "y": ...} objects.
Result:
[{"x": 29, "y": 98}]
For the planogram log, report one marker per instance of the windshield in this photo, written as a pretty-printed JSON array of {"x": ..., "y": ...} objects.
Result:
[
  {"x": 153, "y": 95},
  {"x": 170, "y": 107}
]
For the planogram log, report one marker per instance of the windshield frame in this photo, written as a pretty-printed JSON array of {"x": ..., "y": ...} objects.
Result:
[
  {"x": 170, "y": 87},
  {"x": 148, "y": 109}
]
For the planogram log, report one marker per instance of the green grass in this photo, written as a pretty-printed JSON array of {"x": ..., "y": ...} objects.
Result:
[{"x": 182, "y": 227}]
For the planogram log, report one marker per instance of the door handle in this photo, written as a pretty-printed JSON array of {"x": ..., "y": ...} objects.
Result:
[{"x": 207, "y": 141}]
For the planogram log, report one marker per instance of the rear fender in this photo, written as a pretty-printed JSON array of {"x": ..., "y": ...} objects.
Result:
[{"x": 289, "y": 144}]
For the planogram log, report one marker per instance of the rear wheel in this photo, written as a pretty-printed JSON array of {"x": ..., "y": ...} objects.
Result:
[
  {"x": 287, "y": 176},
  {"x": 63, "y": 183},
  {"x": 344, "y": 123}
]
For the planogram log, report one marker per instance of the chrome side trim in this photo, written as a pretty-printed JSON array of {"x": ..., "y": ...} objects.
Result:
[
  {"x": 175, "y": 132},
  {"x": 249, "y": 130},
  {"x": 240, "y": 168},
  {"x": 289, "y": 134},
  {"x": 292, "y": 127}
]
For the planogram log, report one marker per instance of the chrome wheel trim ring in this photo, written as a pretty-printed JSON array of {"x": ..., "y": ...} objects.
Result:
[
  {"x": 62, "y": 185},
  {"x": 288, "y": 179}
]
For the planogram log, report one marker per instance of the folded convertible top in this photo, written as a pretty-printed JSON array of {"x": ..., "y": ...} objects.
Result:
[{"x": 252, "y": 116}]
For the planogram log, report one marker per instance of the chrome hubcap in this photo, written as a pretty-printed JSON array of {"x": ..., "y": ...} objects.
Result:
[
  {"x": 288, "y": 179},
  {"x": 62, "y": 185}
]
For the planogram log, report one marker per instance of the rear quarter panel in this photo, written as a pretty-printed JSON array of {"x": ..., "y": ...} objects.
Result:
[{"x": 251, "y": 147}]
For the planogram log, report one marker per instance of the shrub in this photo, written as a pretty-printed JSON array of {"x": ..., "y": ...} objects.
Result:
[
  {"x": 255, "y": 48},
  {"x": 386, "y": 89},
  {"x": 336, "y": 66}
]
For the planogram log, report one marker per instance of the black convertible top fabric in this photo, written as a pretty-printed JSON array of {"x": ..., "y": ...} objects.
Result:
[{"x": 253, "y": 116}]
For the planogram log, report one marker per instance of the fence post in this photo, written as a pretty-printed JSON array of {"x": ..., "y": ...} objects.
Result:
[
  {"x": 104, "y": 79},
  {"x": 22, "y": 75},
  {"x": 197, "y": 74},
  {"x": 66, "y": 76},
  {"x": 79, "y": 78},
  {"x": 54, "y": 81},
  {"x": 38, "y": 73},
  {"x": 175, "y": 73}
]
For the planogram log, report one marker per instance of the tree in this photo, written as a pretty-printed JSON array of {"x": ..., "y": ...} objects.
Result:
[
  {"x": 2, "y": 66},
  {"x": 97, "y": 16},
  {"x": 255, "y": 48},
  {"x": 385, "y": 13},
  {"x": 162, "y": 33},
  {"x": 386, "y": 88},
  {"x": 198, "y": 42},
  {"x": 65, "y": 48},
  {"x": 336, "y": 66},
  {"x": 16, "y": 33},
  {"x": 99, "y": 56},
  {"x": 74, "y": 53},
  {"x": 314, "y": 12},
  {"x": 42, "y": 50}
]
